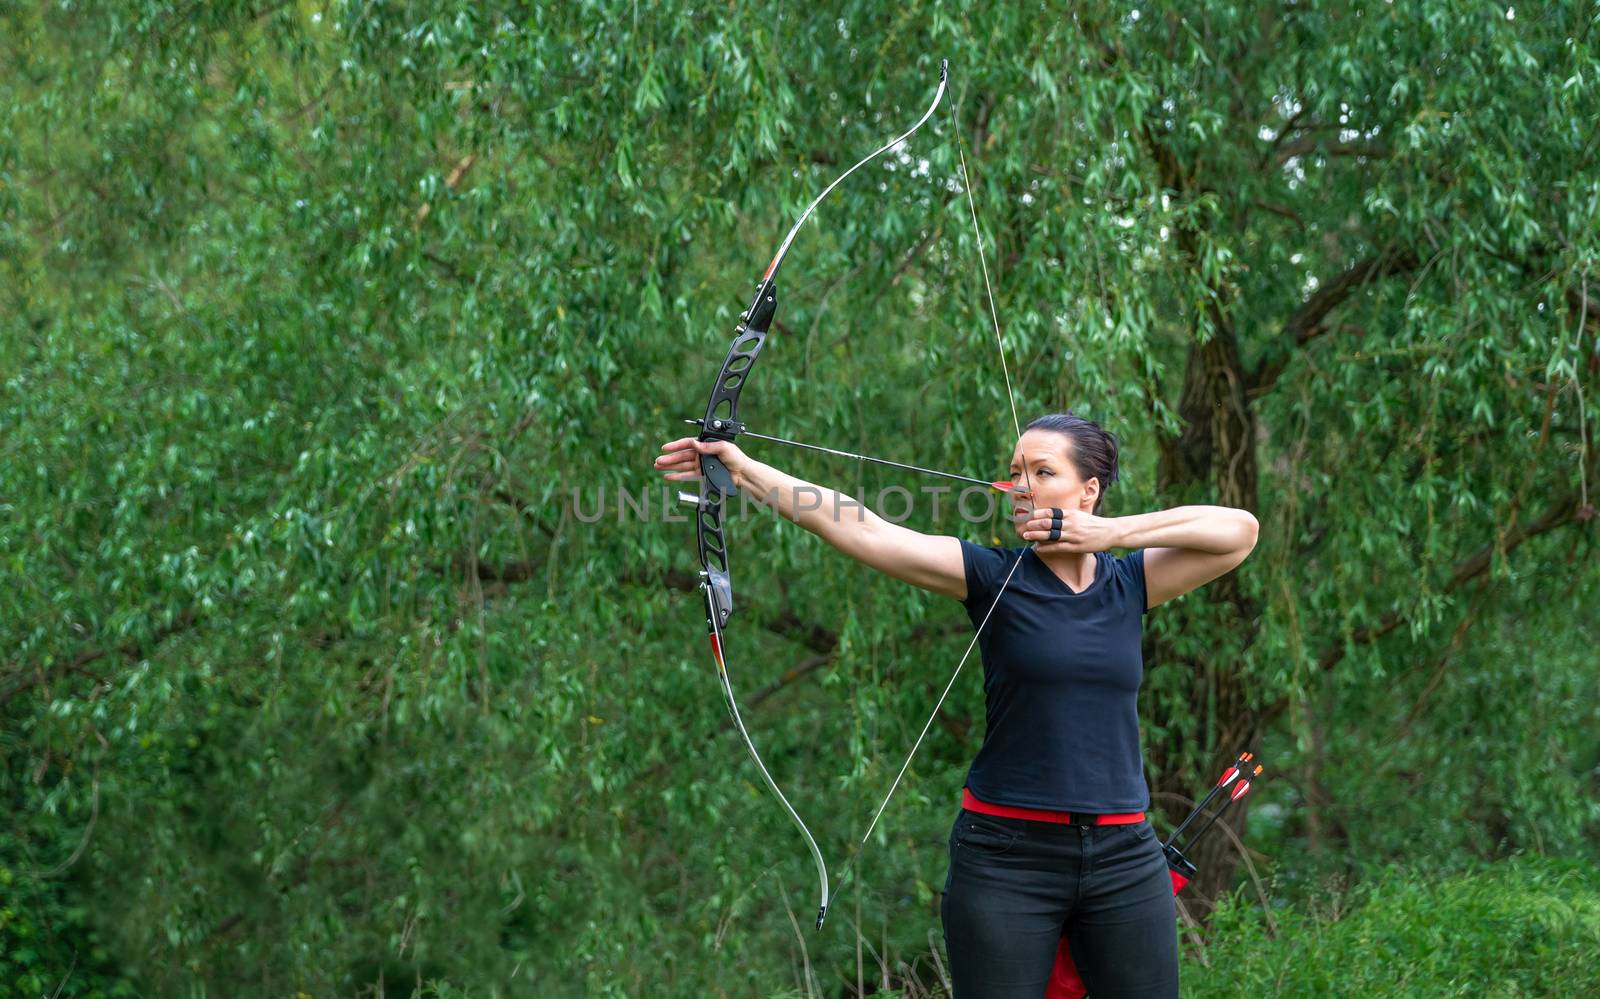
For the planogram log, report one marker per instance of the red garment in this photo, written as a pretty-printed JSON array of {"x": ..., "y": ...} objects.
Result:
[{"x": 974, "y": 804}]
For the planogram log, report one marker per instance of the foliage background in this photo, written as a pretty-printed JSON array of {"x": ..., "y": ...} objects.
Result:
[{"x": 323, "y": 325}]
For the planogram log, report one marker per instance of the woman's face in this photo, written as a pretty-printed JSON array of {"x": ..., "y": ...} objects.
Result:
[{"x": 1042, "y": 468}]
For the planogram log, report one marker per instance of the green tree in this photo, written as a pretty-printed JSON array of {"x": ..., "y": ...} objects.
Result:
[{"x": 324, "y": 328}]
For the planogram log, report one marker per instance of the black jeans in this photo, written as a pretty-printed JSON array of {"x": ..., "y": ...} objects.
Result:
[{"x": 1017, "y": 885}]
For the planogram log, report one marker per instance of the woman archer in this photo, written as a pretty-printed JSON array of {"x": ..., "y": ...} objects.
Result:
[{"x": 1052, "y": 839}]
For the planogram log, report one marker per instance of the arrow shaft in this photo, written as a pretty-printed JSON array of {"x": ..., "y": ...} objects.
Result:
[
  {"x": 869, "y": 458},
  {"x": 1003, "y": 486}
]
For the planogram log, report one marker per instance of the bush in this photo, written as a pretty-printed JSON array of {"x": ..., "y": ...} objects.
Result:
[{"x": 1525, "y": 927}]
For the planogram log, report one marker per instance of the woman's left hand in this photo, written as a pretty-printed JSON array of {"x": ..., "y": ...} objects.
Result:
[{"x": 1058, "y": 530}]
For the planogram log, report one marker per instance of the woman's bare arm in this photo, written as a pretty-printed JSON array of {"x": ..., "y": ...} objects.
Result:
[
  {"x": 1187, "y": 546},
  {"x": 932, "y": 562}
]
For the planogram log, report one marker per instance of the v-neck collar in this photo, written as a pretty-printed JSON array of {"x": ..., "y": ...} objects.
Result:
[{"x": 1100, "y": 573}]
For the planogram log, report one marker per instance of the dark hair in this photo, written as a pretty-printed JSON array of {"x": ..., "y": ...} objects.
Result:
[{"x": 1094, "y": 451}]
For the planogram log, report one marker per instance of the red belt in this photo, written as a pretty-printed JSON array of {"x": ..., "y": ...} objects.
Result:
[{"x": 973, "y": 804}]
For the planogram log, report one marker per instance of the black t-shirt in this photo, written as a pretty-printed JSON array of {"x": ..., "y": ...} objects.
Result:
[{"x": 1061, "y": 676}]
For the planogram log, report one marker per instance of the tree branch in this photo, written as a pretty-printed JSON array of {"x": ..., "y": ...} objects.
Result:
[
  {"x": 1309, "y": 321},
  {"x": 129, "y": 650},
  {"x": 1563, "y": 511},
  {"x": 1307, "y": 144}
]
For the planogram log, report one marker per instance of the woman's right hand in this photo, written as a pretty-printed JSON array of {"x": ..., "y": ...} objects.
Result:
[{"x": 680, "y": 459}]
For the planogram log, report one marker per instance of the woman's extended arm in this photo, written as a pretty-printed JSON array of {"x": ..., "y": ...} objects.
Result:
[{"x": 931, "y": 562}]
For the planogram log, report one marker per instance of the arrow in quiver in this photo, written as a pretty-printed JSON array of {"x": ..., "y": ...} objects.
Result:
[{"x": 1234, "y": 784}]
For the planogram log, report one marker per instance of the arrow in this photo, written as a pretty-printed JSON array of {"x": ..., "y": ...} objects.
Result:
[{"x": 1005, "y": 487}]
